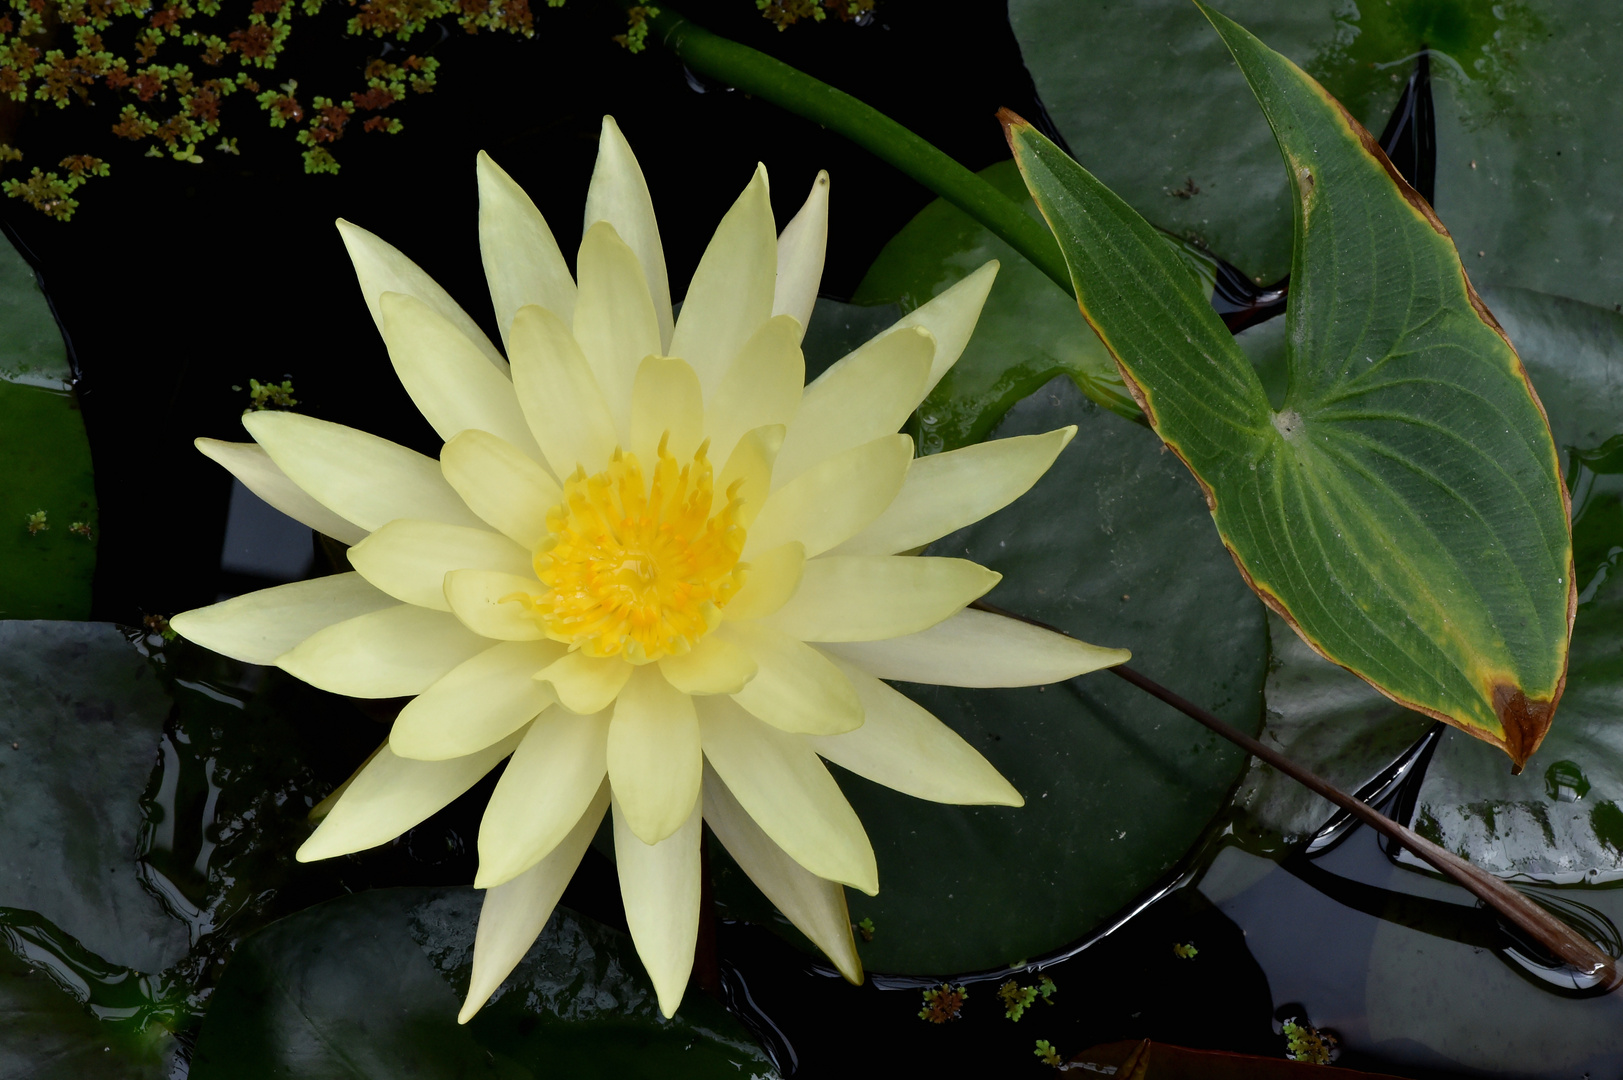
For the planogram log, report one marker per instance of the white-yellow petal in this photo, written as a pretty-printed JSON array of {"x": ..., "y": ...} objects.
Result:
[
  {"x": 619, "y": 196},
  {"x": 559, "y": 394},
  {"x": 381, "y": 268},
  {"x": 360, "y": 477},
  {"x": 762, "y": 386},
  {"x": 902, "y": 746},
  {"x": 523, "y": 264},
  {"x": 509, "y": 490},
  {"x": 770, "y": 580},
  {"x": 869, "y": 597},
  {"x": 796, "y": 688},
  {"x": 554, "y": 777},
  {"x": 951, "y": 318},
  {"x": 713, "y": 666},
  {"x": 666, "y": 403},
  {"x": 513, "y": 915},
  {"x": 750, "y": 466},
  {"x": 391, "y": 794},
  {"x": 485, "y": 601},
  {"x": 779, "y": 781},
  {"x": 977, "y": 648},
  {"x": 816, "y": 906},
  {"x": 258, "y": 627},
  {"x": 585, "y": 684},
  {"x": 801, "y": 248},
  {"x": 479, "y": 702},
  {"x": 449, "y": 379},
  {"x": 249, "y": 463},
  {"x": 395, "y": 652},
  {"x": 731, "y": 292},
  {"x": 869, "y": 394},
  {"x": 945, "y": 492},
  {"x": 659, "y": 885},
  {"x": 614, "y": 319},
  {"x": 409, "y": 559},
  {"x": 834, "y": 499},
  {"x": 654, "y": 760}
]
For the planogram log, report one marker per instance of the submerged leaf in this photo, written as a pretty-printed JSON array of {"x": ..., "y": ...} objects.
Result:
[{"x": 1403, "y": 510}]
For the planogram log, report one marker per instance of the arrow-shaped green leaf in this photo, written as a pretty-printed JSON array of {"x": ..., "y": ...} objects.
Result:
[{"x": 1403, "y": 510}]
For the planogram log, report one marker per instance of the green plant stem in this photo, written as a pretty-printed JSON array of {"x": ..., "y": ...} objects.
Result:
[{"x": 756, "y": 73}]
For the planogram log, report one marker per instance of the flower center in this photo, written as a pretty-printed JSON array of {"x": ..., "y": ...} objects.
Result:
[{"x": 638, "y": 567}]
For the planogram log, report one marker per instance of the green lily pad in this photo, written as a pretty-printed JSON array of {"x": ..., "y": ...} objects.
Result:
[
  {"x": 1403, "y": 508},
  {"x": 1527, "y": 98},
  {"x": 48, "y": 502},
  {"x": 1115, "y": 546},
  {"x": 369, "y": 986},
  {"x": 81, "y": 718}
]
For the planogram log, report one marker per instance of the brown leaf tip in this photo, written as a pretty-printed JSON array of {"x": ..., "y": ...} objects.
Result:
[
  {"x": 1525, "y": 722},
  {"x": 1012, "y": 122}
]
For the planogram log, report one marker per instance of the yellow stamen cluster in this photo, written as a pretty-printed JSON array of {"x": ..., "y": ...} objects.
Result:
[{"x": 637, "y": 568}]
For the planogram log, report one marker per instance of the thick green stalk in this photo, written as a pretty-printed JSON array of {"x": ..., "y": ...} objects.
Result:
[{"x": 756, "y": 73}]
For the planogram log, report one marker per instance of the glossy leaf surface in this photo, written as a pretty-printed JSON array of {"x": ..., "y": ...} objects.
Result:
[
  {"x": 368, "y": 986},
  {"x": 45, "y": 562},
  {"x": 1403, "y": 509}
]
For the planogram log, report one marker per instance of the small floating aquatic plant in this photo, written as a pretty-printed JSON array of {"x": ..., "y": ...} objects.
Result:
[{"x": 651, "y": 566}]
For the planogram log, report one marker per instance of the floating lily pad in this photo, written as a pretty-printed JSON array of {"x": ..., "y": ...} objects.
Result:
[
  {"x": 81, "y": 718},
  {"x": 1528, "y": 100},
  {"x": 1114, "y": 546},
  {"x": 369, "y": 986},
  {"x": 48, "y": 501}
]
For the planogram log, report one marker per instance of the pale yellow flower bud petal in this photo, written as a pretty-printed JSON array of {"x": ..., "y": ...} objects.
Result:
[
  {"x": 762, "y": 386},
  {"x": 977, "y": 648},
  {"x": 249, "y": 463},
  {"x": 554, "y": 776},
  {"x": 381, "y": 268},
  {"x": 585, "y": 684},
  {"x": 713, "y": 666},
  {"x": 447, "y": 377},
  {"x": 360, "y": 477},
  {"x": 522, "y": 262},
  {"x": 796, "y": 688},
  {"x": 902, "y": 746},
  {"x": 619, "y": 196},
  {"x": 654, "y": 758},
  {"x": 867, "y": 395},
  {"x": 477, "y": 703},
  {"x": 514, "y": 914},
  {"x": 801, "y": 249},
  {"x": 945, "y": 492},
  {"x": 258, "y": 627},
  {"x": 507, "y": 488},
  {"x": 779, "y": 780},
  {"x": 868, "y": 597},
  {"x": 772, "y": 578},
  {"x": 391, "y": 794},
  {"x": 816, "y": 906},
  {"x": 559, "y": 394},
  {"x": 614, "y": 319},
  {"x": 835, "y": 499},
  {"x": 398, "y": 651},
  {"x": 667, "y": 408},
  {"x": 660, "y": 886},
  {"x": 409, "y": 559},
  {"x": 732, "y": 289}
]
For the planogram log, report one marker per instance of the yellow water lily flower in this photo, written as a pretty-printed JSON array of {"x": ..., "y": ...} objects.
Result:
[{"x": 651, "y": 569}]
